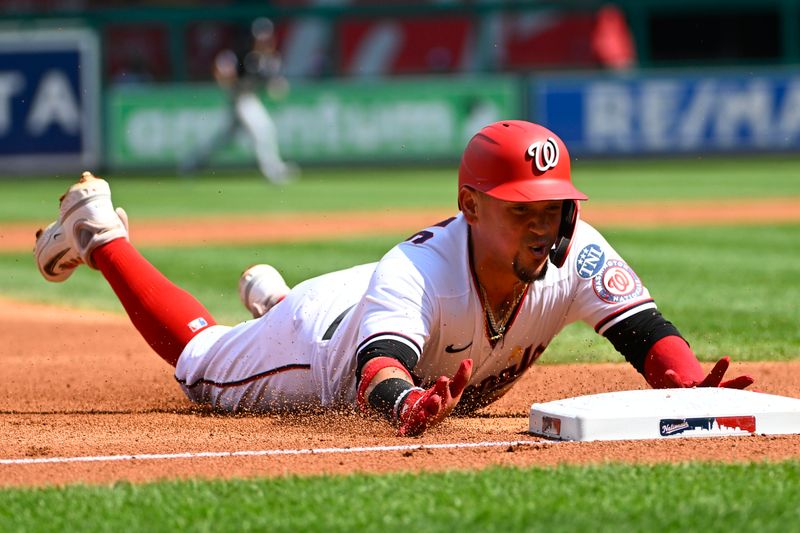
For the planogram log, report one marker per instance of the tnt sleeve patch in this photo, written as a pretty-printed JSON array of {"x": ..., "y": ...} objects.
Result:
[
  {"x": 590, "y": 261},
  {"x": 616, "y": 282}
]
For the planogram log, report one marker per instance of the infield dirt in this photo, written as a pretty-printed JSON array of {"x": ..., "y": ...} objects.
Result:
[{"x": 83, "y": 383}]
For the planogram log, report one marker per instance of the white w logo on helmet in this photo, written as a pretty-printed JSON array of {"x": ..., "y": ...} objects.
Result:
[{"x": 544, "y": 154}]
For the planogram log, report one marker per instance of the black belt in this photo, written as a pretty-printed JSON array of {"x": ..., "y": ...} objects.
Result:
[{"x": 335, "y": 324}]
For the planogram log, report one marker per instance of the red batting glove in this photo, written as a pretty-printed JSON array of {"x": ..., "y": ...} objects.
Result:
[
  {"x": 422, "y": 409},
  {"x": 713, "y": 379}
]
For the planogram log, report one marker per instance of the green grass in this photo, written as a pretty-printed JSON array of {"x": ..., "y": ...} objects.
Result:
[
  {"x": 225, "y": 192},
  {"x": 156, "y": 196},
  {"x": 689, "y": 179},
  {"x": 689, "y": 497},
  {"x": 210, "y": 274},
  {"x": 745, "y": 311},
  {"x": 731, "y": 291}
]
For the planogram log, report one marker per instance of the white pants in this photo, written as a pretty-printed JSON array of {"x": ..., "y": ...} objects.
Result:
[
  {"x": 299, "y": 355},
  {"x": 225, "y": 367},
  {"x": 255, "y": 118}
]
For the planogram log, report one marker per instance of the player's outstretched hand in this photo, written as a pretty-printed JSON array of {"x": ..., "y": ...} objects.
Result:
[
  {"x": 426, "y": 408},
  {"x": 713, "y": 379}
]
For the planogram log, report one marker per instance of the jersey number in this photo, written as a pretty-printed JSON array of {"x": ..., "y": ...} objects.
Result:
[{"x": 422, "y": 236}]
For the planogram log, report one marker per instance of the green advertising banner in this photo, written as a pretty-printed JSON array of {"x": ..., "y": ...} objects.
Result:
[{"x": 409, "y": 120}]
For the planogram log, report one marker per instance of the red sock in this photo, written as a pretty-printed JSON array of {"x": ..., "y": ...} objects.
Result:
[{"x": 167, "y": 316}]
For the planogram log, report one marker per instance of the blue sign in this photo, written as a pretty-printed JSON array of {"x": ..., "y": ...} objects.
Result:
[
  {"x": 670, "y": 113},
  {"x": 49, "y": 101}
]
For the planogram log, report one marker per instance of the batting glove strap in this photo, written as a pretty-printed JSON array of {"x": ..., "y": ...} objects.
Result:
[{"x": 405, "y": 401}]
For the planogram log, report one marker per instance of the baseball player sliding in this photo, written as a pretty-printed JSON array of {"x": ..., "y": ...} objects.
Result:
[{"x": 448, "y": 319}]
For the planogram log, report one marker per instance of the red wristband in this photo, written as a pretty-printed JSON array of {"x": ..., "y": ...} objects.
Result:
[{"x": 368, "y": 372}]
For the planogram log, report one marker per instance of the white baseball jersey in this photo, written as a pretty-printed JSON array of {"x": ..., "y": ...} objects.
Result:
[{"x": 423, "y": 295}]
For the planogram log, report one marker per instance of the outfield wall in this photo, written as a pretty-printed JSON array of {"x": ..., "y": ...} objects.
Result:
[
  {"x": 52, "y": 109},
  {"x": 430, "y": 119}
]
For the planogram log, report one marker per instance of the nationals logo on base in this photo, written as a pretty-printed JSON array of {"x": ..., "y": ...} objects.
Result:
[{"x": 617, "y": 282}]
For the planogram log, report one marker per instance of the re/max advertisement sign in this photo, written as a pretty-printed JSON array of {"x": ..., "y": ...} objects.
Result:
[
  {"x": 670, "y": 113},
  {"x": 49, "y": 101}
]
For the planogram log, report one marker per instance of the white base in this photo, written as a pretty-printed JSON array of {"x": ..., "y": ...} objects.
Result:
[{"x": 666, "y": 413}]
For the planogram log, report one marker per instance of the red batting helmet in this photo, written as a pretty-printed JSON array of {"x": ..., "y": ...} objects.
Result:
[{"x": 518, "y": 161}]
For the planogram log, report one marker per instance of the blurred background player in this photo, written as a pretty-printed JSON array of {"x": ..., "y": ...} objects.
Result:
[{"x": 244, "y": 75}]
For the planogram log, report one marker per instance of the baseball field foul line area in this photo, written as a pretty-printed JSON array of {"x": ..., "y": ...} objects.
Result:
[{"x": 263, "y": 453}]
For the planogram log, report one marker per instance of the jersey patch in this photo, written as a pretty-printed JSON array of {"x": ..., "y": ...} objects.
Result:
[
  {"x": 590, "y": 261},
  {"x": 617, "y": 282}
]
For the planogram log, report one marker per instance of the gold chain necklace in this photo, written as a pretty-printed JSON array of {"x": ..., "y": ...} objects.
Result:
[{"x": 499, "y": 327}]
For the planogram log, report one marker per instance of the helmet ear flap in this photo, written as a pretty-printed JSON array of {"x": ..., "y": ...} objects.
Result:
[{"x": 569, "y": 217}]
